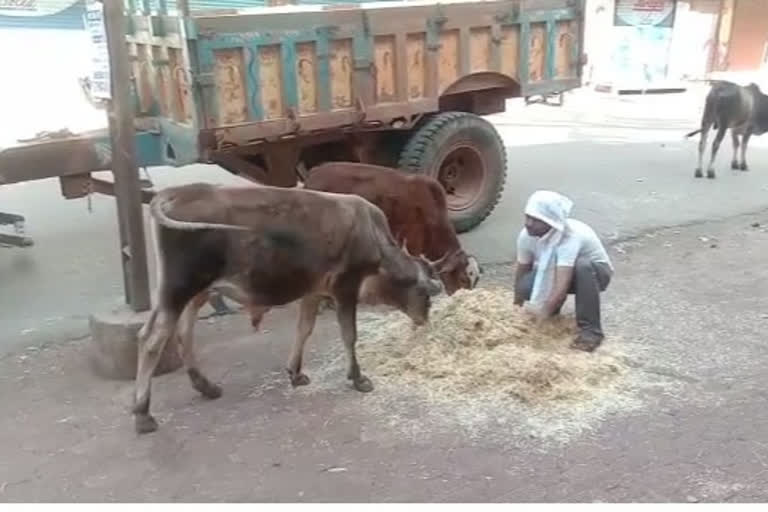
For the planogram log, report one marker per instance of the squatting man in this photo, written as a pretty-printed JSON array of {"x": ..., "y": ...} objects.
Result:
[{"x": 557, "y": 256}]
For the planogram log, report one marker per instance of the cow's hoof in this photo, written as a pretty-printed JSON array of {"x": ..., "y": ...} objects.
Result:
[
  {"x": 203, "y": 385},
  {"x": 211, "y": 391},
  {"x": 145, "y": 423},
  {"x": 711, "y": 174},
  {"x": 734, "y": 165},
  {"x": 744, "y": 167},
  {"x": 299, "y": 379},
  {"x": 698, "y": 174},
  {"x": 363, "y": 384}
]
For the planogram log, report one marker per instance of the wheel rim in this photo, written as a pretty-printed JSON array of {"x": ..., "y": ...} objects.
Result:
[{"x": 462, "y": 174}]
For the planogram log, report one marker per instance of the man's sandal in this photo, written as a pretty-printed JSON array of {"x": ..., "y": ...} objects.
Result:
[{"x": 586, "y": 344}]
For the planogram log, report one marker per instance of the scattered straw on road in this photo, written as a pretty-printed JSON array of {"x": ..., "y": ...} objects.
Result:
[{"x": 478, "y": 343}]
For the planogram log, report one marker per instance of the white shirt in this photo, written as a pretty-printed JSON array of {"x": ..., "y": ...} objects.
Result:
[{"x": 579, "y": 240}]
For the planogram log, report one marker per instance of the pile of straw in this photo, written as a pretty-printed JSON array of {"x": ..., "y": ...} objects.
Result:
[{"x": 479, "y": 345}]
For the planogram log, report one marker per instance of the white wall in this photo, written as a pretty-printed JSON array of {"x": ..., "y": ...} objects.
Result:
[{"x": 39, "y": 90}]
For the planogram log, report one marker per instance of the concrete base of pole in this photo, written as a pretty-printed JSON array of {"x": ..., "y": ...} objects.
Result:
[{"x": 114, "y": 346}]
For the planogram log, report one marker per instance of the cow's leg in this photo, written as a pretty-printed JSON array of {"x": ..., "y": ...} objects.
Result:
[
  {"x": 257, "y": 315},
  {"x": 346, "y": 313},
  {"x": 735, "y": 160},
  {"x": 722, "y": 127},
  {"x": 187, "y": 348},
  {"x": 702, "y": 147},
  {"x": 163, "y": 323},
  {"x": 744, "y": 141},
  {"x": 307, "y": 317}
]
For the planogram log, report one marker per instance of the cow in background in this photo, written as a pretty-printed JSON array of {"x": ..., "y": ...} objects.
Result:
[
  {"x": 743, "y": 110},
  {"x": 416, "y": 211}
]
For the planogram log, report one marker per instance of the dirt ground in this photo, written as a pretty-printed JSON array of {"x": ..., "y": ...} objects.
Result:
[{"x": 688, "y": 306}]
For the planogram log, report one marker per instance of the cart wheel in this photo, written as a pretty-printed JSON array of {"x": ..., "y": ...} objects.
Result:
[{"x": 464, "y": 152}]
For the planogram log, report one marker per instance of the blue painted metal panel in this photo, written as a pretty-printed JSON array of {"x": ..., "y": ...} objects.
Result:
[
  {"x": 551, "y": 46},
  {"x": 253, "y": 83},
  {"x": 323, "y": 69},
  {"x": 290, "y": 87},
  {"x": 524, "y": 49}
]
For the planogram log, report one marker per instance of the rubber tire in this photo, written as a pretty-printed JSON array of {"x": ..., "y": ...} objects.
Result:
[{"x": 421, "y": 155}]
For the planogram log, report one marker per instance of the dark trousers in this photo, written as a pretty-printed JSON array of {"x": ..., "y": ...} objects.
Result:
[{"x": 589, "y": 279}]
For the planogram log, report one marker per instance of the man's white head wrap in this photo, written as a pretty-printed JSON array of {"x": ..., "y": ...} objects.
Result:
[{"x": 554, "y": 209}]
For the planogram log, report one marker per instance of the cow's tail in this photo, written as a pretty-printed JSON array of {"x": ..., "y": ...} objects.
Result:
[
  {"x": 708, "y": 117},
  {"x": 694, "y": 132},
  {"x": 157, "y": 209}
]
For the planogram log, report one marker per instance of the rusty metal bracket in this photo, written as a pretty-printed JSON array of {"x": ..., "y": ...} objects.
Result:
[
  {"x": 293, "y": 117},
  {"x": 82, "y": 185}
]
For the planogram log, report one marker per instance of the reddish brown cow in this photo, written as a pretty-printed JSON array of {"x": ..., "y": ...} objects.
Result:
[{"x": 416, "y": 210}]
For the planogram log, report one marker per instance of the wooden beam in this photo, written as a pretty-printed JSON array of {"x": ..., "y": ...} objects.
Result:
[{"x": 127, "y": 188}]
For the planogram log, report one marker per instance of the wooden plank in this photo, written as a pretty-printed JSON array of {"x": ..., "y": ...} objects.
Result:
[
  {"x": 448, "y": 59},
  {"x": 306, "y": 72},
  {"x": 464, "y": 51},
  {"x": 384, "y": 68},
  {"x": 127, "y": 188},
  {"x": 537, "y": 52},
  {"x": 480, "y": 49},
  {"x": 510, "y": 51},
  {"x": 271, "y": 75},
  {"x": 162, "y": 75},
  {"x": 566, "y": 40},
  {"x": 230, "y": 86},
  {"x": 401, "y": 67},
  {"x": 341, "y": 74},
  {"x": 181, "y": 99},
  {"x": 416, "y": 47}
]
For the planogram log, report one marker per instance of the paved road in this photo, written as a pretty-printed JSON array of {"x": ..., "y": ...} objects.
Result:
[
  {"x": 688, "y": 313},
  {"x": 623, "y": 161}
]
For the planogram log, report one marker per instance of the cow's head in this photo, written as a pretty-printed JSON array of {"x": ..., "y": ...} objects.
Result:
[
  {"x": 457, "y": 270},
  {"x": 413, "y": 296}
]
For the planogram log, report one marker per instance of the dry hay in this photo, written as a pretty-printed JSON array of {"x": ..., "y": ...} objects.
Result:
[
  {"x": 478, "y": 344},
  {"x": 481, "y": 370}
]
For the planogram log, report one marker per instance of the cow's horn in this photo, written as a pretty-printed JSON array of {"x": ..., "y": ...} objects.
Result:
[{"x": 439, "y": 262}]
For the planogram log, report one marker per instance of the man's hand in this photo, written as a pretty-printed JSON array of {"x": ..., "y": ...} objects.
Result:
[
  {"x": 563, "y": 278},
  {"x": 533, "y": 315}
]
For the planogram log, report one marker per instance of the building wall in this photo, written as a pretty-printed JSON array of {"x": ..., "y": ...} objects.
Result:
[{"x": 749, "y": 35}]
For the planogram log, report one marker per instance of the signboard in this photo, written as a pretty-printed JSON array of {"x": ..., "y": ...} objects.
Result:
[
  {"x": 34, "y": 7},
  {"x": 644, "y": 13},
  {"x": 101, "y": 86}
]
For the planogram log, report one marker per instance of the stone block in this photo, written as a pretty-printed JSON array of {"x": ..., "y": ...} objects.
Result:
[{"x": 114, "y": 346}]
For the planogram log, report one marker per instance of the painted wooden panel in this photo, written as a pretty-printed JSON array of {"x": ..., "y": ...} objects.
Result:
[
  {"x": 180, "y": 96},
  {"x": 448, "y": 59},
  {"x": 341, "y": 74},
  {"x": 537, "y": 55},
  {"x": 142, "y": 71},
  {"x": 480, "y": 49},
  {"x": 271, "y": 77},
  {"x": 306, "y": 73},
  {"x": 415, "y": 49},
  {"x": 510, "y": 50},
  {"x": 384, "y": 62},
  {"x": 162, "y": 80},
  {"x": 228, "y": 76},
  {"x": 566, "y": 42}
]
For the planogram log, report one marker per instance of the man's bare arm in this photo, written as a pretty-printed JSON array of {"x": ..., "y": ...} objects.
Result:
[
  {"x": 563, "y": 278},
  {"x": 520, "y": 271}
]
